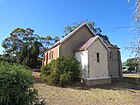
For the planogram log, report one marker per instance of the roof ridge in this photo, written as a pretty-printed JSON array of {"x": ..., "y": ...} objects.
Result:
[
  {"x": 82, "y": 46},
  {"x": 71, "y": 33},
  {"x": 86, "y": 45}
]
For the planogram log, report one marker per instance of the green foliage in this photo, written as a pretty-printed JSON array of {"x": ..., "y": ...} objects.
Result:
[
  {"x": 62, "y": 71},
  {"x": 91, "y": 24},
  {"x": 45, "y": 71},
  {"x": 68, "y": 64},
  {"x": 132, "y": 64},
  {"x": 54, "y": 78},
  {"x": 130, "y": 69},
  {"x": 25, "y": 47},
  {"x": 65, "y": 79},
  {"x": 16, "y": 85}
]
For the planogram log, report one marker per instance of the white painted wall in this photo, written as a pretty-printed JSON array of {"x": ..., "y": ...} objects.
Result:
[
  {"x": 82, "y": 57},
  {"x": 99, "y": 69}
]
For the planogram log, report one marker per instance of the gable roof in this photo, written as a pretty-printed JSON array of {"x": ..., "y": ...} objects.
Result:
[
  {"x": 85, "y": 45},
  {"x": 71, "y": 33},
  {"x": 111, "y": 45}
]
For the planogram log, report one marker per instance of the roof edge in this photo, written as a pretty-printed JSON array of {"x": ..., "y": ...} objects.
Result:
[
  {"x": 97, "y": 37},
  {"x": 75, "y": 30},
  {"x": 70, "y": 34}
]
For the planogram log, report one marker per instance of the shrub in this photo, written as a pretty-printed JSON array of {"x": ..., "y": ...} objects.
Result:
[
  {"x": 45, "y": 72},
  {"x": 53, "y": 78},
  {"x": 69, "y": 64},
  {"x": 65, "y": 79},
  {"x": 16, "y": 85},
  {"x": 61, "y": 71}
]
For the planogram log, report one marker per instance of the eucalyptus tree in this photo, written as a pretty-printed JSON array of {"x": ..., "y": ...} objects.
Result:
[{"x": 25, "y": 47}]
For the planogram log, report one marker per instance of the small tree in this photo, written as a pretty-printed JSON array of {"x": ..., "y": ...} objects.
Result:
[{"x": 132, "y": 64}]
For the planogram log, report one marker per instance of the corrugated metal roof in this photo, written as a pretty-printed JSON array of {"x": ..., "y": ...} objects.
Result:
[
  {"x": 110, "y": 45},
  {"x": 83, "y": 45}
]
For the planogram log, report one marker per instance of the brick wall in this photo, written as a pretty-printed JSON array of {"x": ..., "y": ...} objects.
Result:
[{"x": 51, "y": 54}]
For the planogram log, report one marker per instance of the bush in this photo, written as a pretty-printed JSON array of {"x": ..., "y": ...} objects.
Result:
[
  {"x": 53, "y": 78},
  {"x": 69, "y": 64},
  {"x": 62, "y": 71},
  {"x": 16, "y": 85},
  {"x": 45, "y": 72},
  {"x": 65, "y": 79}
]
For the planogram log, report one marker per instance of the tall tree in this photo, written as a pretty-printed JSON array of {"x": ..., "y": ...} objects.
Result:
[{"x": 24, "y": 47}]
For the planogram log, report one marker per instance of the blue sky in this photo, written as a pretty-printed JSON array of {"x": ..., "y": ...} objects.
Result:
[{"x": 49, "y": 17}]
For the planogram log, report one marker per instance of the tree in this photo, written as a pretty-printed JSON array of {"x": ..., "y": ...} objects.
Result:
[
  {"x": 25, "y": 47},
  {"x": 91, "y": 24},
  {"x": 134, "y": 46},
  {"x": 132, "y": 64},
  {"x": 137, "y": 10},
  {"x": 137, "y": 17}
]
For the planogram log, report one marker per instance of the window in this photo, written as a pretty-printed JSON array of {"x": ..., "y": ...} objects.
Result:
[
  {"x": 110, "y": 55},
  {"x": 98, "y": 59},
  {"x": 46, "y": 57},
  {"x": 51, "y": 55}
]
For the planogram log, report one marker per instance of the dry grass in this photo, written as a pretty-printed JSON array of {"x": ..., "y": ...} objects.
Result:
[
  {"x": 132, "y": 75},
  {"x": 36, "y": 75},
  {"x": 118, "y": 93},
  {"x": 97, "y": 96}
]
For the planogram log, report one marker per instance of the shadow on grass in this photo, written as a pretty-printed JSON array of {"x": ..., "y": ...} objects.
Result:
[{"x": 117, "y": 84}]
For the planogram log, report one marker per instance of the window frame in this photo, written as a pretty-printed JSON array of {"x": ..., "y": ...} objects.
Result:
[{"x": 98, "y": 56}]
